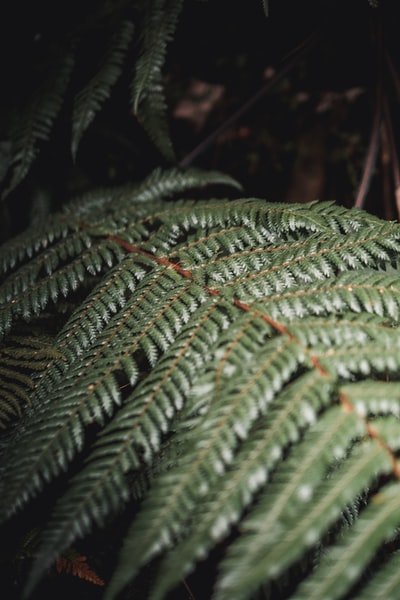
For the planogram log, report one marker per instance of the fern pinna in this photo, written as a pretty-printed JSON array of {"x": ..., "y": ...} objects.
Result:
[
  {"x": 228, "y": 368},
  {"x": 77, "y": 70}
]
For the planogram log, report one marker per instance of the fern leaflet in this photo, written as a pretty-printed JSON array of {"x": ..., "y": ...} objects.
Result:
[{"x": 222, "y": 364}]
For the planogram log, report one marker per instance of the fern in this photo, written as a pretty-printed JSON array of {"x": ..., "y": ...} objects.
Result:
[
  {"x": 160, "y": 20},
  {"x": 22, "y": 358},
  {"x": 70, "y": 247},
  {"x": 77, "y": 565},
  {"x": 69, "y": 87},
  {"x": 90, "y": 99},
  {"x": 33, "y": 125},
  {"x": 219, "y": 366}
]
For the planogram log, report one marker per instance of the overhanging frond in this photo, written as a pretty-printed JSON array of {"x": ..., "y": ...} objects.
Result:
[
  {"x": 160, "y": 20},
  {"x": 34, "y": 124},
  {"x": 228, "y": 365},
  {"x": 91, "y": 98}
]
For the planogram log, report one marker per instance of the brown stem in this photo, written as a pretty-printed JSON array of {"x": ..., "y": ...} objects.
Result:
[
  {"x": 370, "y": 159},
  {"x": 394, "y": 157},
  {"x": 189, "y": 591}
]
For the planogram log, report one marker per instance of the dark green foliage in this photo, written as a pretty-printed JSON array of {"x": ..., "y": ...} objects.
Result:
[
  {"x": 160, "y": 19},
  {"x": 106, "y": 35},
  {"x": 239, "y": 361},
  {"x": 92, "y": 97},
  {"x": 33, "y": 124},
  {"x": 20, "y": 358},
  {"x": 221, "y": 375}
]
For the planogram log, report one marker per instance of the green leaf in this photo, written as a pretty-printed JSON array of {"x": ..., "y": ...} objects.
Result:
[
  {"x": 92, "y": 96},
  {"x": 160, "y": 21},
  {"x": 222, "y": 372}
]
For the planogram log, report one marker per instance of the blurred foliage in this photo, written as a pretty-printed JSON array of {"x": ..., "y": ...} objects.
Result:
[{"x": 304, "y": 134}]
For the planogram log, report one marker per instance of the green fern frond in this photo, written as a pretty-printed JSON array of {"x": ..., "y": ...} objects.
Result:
[
  {"x": 159, "y": 23},
  {"x": 53, "y": 259},
  {"x": 163, "y": 184},
  {"x": 385, "y": 583},
  {"x": 267, "y": 547},
  {"x": 159, "y": 185},
  {"x": 22, "y": 358},
  {"x": 91, "y": 98},
  {"x": 369, "y": 397},
  {"x": 226, "y": 364},
  {"x": 57, "y": 79},
  {"x": 363, "y": 292},
  {"x": 35, "y": 123},
  {"x": 224, "y": 505},
  {"x": 343, "y": 565}
]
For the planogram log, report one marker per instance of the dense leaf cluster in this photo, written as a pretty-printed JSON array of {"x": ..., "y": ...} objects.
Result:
[
  {"x": 239, "y": 362},
  {"x": 220, "y": 373}
]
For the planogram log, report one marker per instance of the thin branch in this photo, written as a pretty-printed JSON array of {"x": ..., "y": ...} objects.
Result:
[
  {"x": 289, "y": 62},
  {"x": 370, "y": 159},
  {"x": 373, "y": 146},
  {"x": 386, "y": 175},
  {"x": 388, "y": 120},
  {"x": 189, "y": 591},
  {"x": 393, "y": 71},
  {"x": 394, "y": 157}
]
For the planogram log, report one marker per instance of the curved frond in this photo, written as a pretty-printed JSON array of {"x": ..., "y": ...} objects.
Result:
[
  {"x": 35, "y": 123},
  {"x": 159, "y": 22},
  {"x": 91, "y": 98},
  {"x": 221, "y": 366},
  {"x": 74, "y": 76}
]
